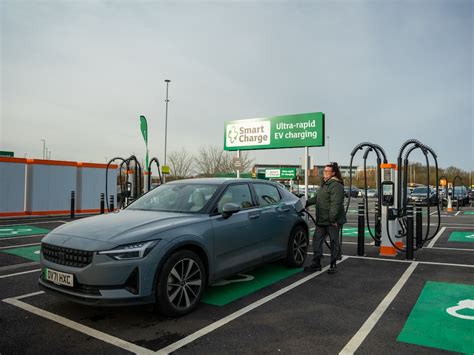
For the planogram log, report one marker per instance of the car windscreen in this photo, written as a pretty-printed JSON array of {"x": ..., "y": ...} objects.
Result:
[
  {"x": 420, "y": 190},
  {"x": 184, "y": 198}
]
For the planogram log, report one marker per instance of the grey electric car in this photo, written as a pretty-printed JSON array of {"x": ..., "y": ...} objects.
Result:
[{"x": 168, "y": 245}]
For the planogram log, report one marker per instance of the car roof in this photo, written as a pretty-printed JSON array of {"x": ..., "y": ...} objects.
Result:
[{"x": 220, "y": 181}]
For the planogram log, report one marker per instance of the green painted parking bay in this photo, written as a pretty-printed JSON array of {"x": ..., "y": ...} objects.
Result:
[
  {"x": 238, "y": 286},
  {"x": 465, "y": 237},
  {"x": 353, "y": 232},
  {"x": 20, "y": 231},
  {"x": 31, "y": 252},
  {"x": 442, "y": 318}
]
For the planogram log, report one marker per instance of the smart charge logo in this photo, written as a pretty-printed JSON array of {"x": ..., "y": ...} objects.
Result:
[{"x": 248, "y": 134}]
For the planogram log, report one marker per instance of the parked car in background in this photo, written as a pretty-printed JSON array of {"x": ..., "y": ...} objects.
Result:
[
  {"x": 172, "y": 242},
  {"x": 460, "y": 193},
  {"x": 354, "y": 191},
  {"x": 370, "y": 193},
  {"x": 471, "y": 195},
  {"x": 419, "y": 196}
]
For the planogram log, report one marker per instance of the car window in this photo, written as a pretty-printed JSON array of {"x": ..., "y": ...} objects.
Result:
[
  {"x": 238, "y": 194},
  {"x": 267, "y": 194},
  {"x": 176, "y": 198},
  {"x": 420, "y": 190}
]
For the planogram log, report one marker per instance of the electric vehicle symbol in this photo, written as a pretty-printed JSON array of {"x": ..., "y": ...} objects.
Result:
[
  {"x": 464, "y": 304},
  {"x": 232, "y": 135},
  {"x": 11, "y": 231},
  {"x": 234, "y": 279}
]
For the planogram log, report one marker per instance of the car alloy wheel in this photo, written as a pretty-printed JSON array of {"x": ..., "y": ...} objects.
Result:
[
  {"x": 184, "y": 283},
  {"x": 300, "y": 246},
  {"x": 297, "y": 247},
  {"x": 180, "y": 283}
]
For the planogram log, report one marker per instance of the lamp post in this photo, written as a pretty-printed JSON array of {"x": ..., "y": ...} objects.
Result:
[
  {"x": 44, "y": 146},
  {"x": 327, "y": 137},
  {"x": 167, "y": 81}
]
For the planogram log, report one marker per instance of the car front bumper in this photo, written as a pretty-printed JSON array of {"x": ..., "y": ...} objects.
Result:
[{"x": 106, "y": 281}]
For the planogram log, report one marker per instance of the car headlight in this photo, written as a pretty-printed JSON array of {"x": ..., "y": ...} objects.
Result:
[{"x": 131, "y": 251}]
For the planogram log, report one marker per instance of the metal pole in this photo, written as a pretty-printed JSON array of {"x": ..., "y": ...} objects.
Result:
[
  {"x": 306, "y": 163},
  {"x": 102, "y": 203},
  {"x": 409, "y": 250},
  {"x": 73, "y": 204},
  {"x": 238, "y": 171},
  {"x": 360, "y": 230},
  {"x": 167, "y": 81},
  {"x": 328, "y": 147},
  {"x": 111, "y": 205},
  {"x": 419, "y": 226},
  {"x": 44, "y": 146}
]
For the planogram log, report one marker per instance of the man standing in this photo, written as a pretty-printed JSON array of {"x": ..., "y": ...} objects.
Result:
[{"x": 330, "y": 216}]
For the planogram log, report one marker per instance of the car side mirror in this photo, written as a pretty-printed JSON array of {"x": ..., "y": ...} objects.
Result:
[{"x": 229, "y": 209}]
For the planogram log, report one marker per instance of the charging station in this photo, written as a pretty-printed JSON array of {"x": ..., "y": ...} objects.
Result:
[{"x": 394, "y": 224}]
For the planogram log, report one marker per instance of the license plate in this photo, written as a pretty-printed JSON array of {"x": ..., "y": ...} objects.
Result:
[{"x": 59, "y": 278}]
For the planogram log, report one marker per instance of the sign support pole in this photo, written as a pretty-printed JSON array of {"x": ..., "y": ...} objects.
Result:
[
  {"x": 306, "y": 171},
  {"x": 238, "y": 171}
]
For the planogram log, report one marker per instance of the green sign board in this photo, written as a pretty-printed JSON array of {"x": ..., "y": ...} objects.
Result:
[
  {"x": 291, "y": 131},
  {"x": 280, "y": 173},
  {"x": 465, "y": 237},
  {"x": 6, "y": 154},
  {"x": 442, "y": 318}
]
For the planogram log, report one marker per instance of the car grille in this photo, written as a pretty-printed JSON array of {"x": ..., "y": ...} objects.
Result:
[{"x": 66, "y": 256}]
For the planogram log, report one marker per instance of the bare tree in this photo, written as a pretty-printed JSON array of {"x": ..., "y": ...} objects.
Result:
[
  {"x": 212, "y": 160},
  {"x": 181, "y": 164}
]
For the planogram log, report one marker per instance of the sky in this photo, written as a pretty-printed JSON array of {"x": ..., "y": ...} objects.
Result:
[{"x": 80, "y": 73}]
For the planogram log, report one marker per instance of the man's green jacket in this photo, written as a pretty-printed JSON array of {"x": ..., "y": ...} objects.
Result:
[{"x": 329, "y": 201}]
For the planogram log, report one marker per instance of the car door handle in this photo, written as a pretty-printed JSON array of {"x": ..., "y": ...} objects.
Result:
[{"x": 254, "y": 215}]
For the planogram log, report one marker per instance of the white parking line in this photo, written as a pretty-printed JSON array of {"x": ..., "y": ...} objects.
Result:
[
  {"x": 19, "y": 246},
  {"x": 456, "y": 249},
  {"x": 15, "y": 301},
  {"x": 408, "y": 261},
  {"x": 17, "y": 266},
  {"x": 19, "y": 273},
  {"x": 28, "y": 223},
  {"x": 23, "y": 236},
  {"x": 435, "y": 239},
  {"x": 370, "y": 323},
  {"x": 29, "y": 295},
  {"x": 79, "y": 327},
  {"x": 213, "y": 326}
]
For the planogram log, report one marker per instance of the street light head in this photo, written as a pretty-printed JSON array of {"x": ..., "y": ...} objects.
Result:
[{"x": 167, "y": 81}]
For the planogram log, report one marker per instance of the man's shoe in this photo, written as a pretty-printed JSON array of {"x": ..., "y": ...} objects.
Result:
[
  {"x": 332, "y": 268},
  {"x": 313, "y": 267}
]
